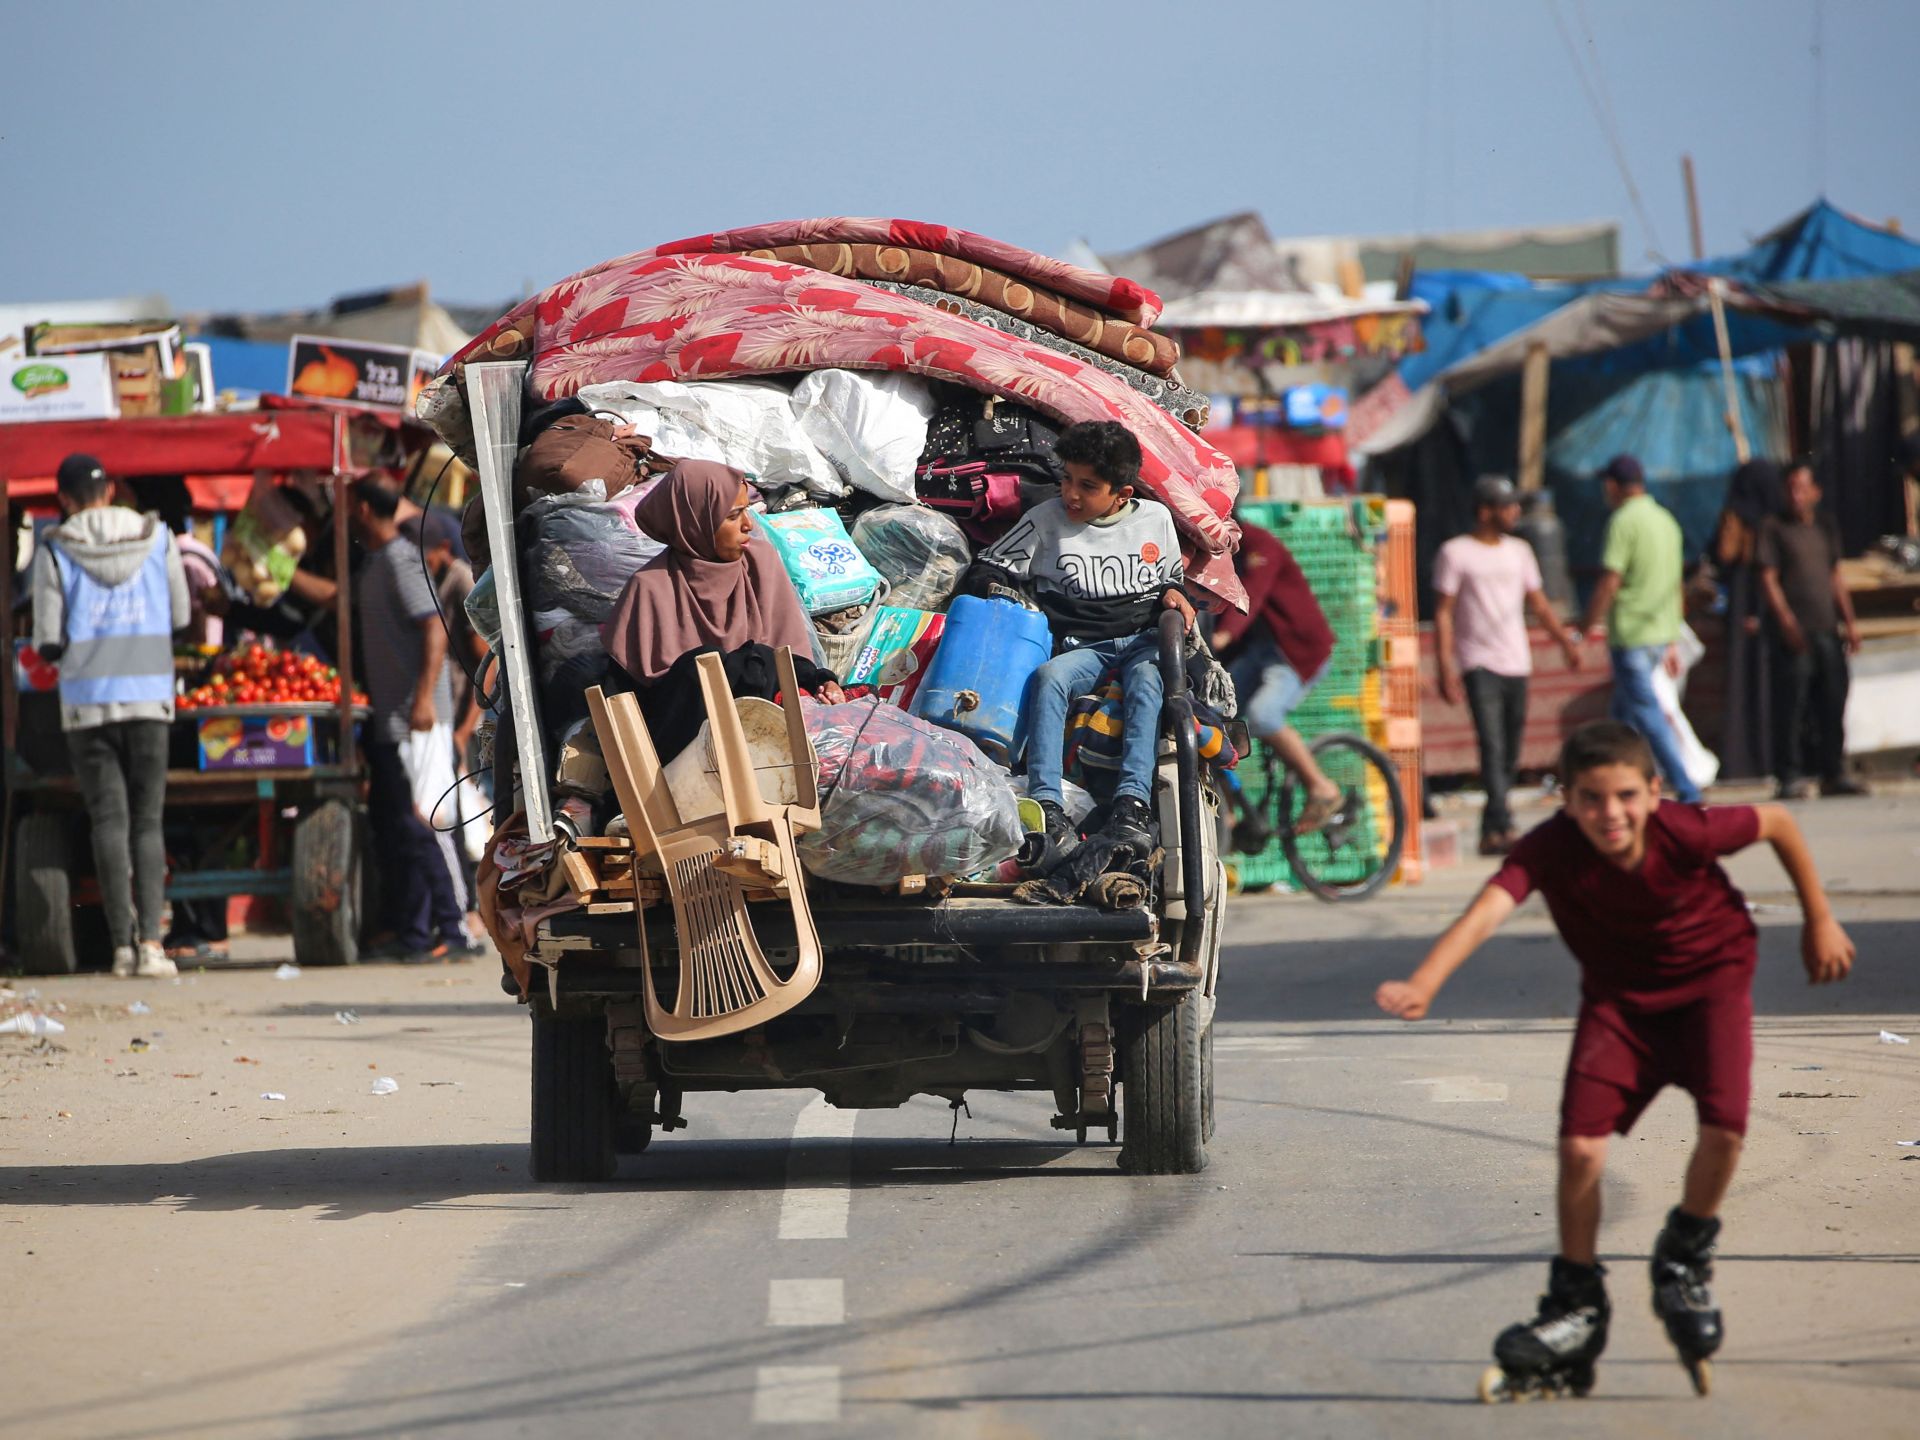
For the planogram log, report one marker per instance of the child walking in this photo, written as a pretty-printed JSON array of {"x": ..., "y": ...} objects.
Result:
[
  {"x": 1667, "y": 954},
  {"x": 1100, "y": 563}
]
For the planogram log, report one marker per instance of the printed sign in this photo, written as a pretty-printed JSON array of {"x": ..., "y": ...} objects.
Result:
[
  {"x": 387, "y": 377},
  {"x": 56, "y": 387}
]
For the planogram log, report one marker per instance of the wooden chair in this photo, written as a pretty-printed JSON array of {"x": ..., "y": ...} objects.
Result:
[{"x": 714, "y": 863}]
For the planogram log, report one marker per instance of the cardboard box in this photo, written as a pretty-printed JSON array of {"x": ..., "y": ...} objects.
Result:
[
  {"x": 255, "y": 742},
  {"x": 56, "y": 387}
]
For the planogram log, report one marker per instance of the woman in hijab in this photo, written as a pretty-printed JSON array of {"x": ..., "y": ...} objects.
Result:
[
  {"x": 1756, "y": 494},
  {"x": 715, "y": 590}
]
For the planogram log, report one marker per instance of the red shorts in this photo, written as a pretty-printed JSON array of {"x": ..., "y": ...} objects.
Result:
[{"x": 1622, "y": 1058}]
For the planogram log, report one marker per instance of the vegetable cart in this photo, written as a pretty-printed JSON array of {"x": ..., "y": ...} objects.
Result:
[{"x": 284, "y": 819}]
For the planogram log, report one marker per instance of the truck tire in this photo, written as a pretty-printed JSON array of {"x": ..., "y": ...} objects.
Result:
[
  {"x": 43, "y": 895},
  {"x": 574, "y": 1100},
  {"x": 1165, "y": 1089},
  {"x": 324, "y": 904}
]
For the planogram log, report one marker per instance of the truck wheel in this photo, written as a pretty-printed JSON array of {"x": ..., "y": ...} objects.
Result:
[
  {"x": 325, "y": 900},
  {"x": 1165, "y": 1089},
  {"x": 574, "y": 1099},
  {"x": 43, "y": 895}
]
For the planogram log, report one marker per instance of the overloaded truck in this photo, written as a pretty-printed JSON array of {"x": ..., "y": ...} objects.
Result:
[{"x": 688, "y": 932}]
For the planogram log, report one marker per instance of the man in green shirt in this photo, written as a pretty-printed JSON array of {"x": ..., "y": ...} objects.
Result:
[{"x": 1638, "y": 598}]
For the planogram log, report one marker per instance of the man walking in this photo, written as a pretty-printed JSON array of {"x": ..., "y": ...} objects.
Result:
[
  {"x": 410, "y": 736},
  {"x": 108, "y": 594},
  {"x": 1638, "y": 603},
  {"x": 1486, "y": 582},
  {"x": 1798, "y": 555}
]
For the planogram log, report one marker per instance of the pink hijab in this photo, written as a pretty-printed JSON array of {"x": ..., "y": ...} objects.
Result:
[{"x": 686, "y": 598}]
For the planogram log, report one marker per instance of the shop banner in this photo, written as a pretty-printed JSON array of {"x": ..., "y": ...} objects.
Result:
[
  {"x": 387, "y": 377},
  {"x": 57, "y": 387}
]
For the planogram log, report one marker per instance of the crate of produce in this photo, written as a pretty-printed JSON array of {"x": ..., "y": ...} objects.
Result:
[{"x": 255, "y": 742}]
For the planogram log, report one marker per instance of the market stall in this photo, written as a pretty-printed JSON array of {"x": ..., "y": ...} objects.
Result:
[{"x": 264, "y": 766}]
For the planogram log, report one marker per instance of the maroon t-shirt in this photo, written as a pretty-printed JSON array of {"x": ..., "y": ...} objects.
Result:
[{"x": 1669, "y": 932}]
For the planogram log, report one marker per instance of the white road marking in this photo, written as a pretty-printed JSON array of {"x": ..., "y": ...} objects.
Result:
[
  {"x": 796, "y": 1394},
  {"x": 1258, "y": 1042},
  {"x": 1462, "y": 1089},
  {"x": 807, "y": 1302},
  {"x": 814, "y": 1206}
]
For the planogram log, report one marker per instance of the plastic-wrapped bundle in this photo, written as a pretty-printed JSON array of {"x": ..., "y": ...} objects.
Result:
[
  {"x": 747, "y": 424},
  {"x": 902, "y": 797},
  {"x": 871, "y": 428},
  {"x": 583, "y": 549},
  {"x": 483, "y": 609},
  {"x": 921, "y": 552}
]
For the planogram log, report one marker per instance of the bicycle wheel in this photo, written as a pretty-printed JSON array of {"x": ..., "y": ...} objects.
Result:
[{"x": 1358, "y": 849}]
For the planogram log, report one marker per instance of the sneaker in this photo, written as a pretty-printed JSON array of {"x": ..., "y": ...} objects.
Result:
[
  {"x": 1130, "y": 822},
  {"x": 1062, "y": 838},
  {"x": 153, "y": 963},
  {"x": 1497, "y": 842},
  {"x": 1841, "y": 785},
  {"x": 123, "y": 960},
  {"x": 1794, "y": 790},
  {"x": 462, "y": 947}
]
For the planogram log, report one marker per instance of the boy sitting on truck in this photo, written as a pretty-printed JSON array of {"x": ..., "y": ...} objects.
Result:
[{"x": 1100, "y": 562}]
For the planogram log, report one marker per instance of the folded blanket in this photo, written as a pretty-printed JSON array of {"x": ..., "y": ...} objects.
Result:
[
  {"x": 1189, "y": 407},
  {"x": 1071, "y": 320},
  {"x": 1117, "y": 296}
]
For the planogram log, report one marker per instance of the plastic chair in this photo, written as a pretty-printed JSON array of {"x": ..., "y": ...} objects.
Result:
[{"x": 714, "y": 862}]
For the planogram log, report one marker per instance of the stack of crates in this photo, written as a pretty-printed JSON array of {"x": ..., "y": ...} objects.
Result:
[{"x": 1339, "y": 546}]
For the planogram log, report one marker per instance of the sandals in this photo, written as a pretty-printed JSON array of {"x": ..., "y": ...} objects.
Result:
[{"x": 1314, "y": 815}]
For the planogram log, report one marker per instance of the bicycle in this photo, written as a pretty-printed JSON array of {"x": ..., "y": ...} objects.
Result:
[{"x": 1358, "y": 849}]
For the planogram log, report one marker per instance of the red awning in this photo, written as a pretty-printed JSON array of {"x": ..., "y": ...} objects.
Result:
[{"x": 206, "y": 445}]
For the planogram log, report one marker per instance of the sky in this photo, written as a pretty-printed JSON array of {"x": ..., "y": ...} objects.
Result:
[{"x": 271, "y": 156}]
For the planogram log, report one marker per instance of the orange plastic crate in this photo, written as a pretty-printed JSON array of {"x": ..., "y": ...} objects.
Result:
[
  {"x": 1400, "y": 594},
  {"x": 1406, "y": 764}
]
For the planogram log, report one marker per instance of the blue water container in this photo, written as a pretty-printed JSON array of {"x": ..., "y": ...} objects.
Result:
[{"x": 977, "y": 683}]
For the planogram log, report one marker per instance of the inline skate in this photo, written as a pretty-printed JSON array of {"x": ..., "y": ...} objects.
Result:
[
  {"x": 1682, "y": 1266},
  {"x": 1554, "y": 1353}
]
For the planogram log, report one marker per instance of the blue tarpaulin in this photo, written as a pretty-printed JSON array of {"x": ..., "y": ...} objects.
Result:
[{"x": 1820, "y": 243}]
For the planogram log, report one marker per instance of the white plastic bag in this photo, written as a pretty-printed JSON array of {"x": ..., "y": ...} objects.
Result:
[
  {"x": 871, "y": 428},
  {"x": 1703, "y": 766},
  {"x": 746, "y": 424},
  {"x": 428, "y": 758}
]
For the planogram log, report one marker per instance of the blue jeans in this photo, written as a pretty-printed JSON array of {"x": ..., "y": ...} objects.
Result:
[
  {"x": 1634, "y": 702},
  {"x": 1066, "y": 677},
  {"x": 1267, "y": 686}
]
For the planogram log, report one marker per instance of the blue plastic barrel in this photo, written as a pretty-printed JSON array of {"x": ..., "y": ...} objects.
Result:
[{"x": 977, "y": 683}]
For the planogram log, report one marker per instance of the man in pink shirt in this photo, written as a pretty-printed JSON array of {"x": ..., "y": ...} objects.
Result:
[{"x": 1486, "y": 581}]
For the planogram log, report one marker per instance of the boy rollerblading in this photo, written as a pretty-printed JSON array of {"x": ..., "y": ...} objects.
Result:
[{"x": 1667, "y": 952}]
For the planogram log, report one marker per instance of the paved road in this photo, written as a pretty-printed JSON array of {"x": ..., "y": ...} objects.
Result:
[{"x": 1379, "y": 1206}]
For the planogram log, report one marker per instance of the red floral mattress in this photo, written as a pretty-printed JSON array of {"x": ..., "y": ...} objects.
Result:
[{"x": 693, "y": 315}]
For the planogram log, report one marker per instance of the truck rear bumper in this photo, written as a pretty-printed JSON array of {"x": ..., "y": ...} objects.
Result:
[{"x": 981, "y": 922}]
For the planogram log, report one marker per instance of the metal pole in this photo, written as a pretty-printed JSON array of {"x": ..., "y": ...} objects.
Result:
[{"x": 342, "y": 598}]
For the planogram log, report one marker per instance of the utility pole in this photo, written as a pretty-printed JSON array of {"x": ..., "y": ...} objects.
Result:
[{"x": 1693, "y": 207}]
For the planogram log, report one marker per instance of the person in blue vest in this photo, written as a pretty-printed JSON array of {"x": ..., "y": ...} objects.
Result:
[{"x": 108, "y": 594}]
